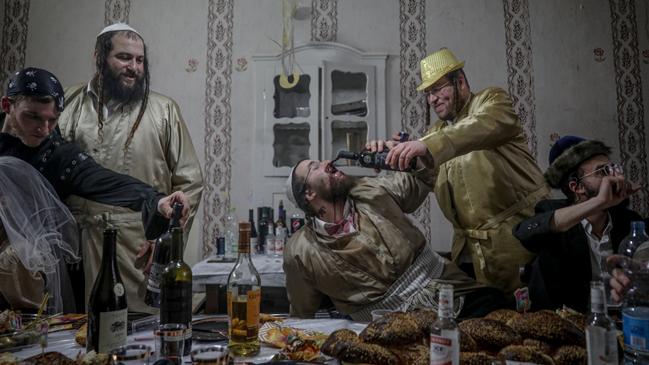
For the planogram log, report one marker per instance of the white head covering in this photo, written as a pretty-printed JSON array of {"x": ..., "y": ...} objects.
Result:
[
  {"x": 40, "y": 228},
  {"x": 118, "y": 27}
]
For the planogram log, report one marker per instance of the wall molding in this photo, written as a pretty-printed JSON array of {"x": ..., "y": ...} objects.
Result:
[
  {"x": 520, "y": 80},
  {"x": 116, "y": 11},
  {"x": 630, "y": 108},
  {"x": 14, "y": 38},
  {"x": 324, "y": 20},
  {"x": 218, "y": 117},
  {"x": 414, "y": 116}
]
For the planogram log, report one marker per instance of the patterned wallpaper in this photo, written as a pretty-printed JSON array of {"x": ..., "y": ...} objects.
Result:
[
  {"x": 520, "y": 82},
  {"x": 414, "y": 117},
  {"x": 14, "y": 38},
  {"x": 218, "y": 117},
  {"x": 116, "y": 11},
  {"x": 630, "y": 109},
  {"x": 324, "y": 20}
]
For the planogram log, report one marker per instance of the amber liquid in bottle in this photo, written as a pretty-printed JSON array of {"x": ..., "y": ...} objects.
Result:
[{"x": 244, "y": 299}]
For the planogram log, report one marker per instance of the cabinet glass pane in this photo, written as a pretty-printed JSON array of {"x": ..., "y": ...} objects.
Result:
[
  {"x": 291, "y": 143},
  {"x": 292, "y": 102},
  {"x": 348, "y": 136},
  {"x": 348, "y": 93}
]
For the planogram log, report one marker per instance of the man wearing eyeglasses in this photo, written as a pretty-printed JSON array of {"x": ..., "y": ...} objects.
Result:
[
  {"x": 486, "y": 179},
  {"x": 573, "y": 236}
]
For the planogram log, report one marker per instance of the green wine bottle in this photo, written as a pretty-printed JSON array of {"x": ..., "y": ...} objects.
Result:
[
  {"x": 107, "y": 309},
  {"x": 176, "y": 289}
]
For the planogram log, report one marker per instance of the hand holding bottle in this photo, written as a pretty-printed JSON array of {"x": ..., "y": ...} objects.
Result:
[{"x": 165, "y": 206}]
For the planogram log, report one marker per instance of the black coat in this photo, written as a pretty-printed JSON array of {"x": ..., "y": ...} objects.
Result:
[
  {"x": 72, "y": 172},
  {"x": 561, "y": 273}
]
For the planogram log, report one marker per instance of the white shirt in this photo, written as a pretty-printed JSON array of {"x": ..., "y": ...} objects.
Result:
[{"x": 600, "y": 248}]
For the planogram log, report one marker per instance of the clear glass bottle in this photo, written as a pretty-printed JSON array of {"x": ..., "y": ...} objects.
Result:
[
  {"x": 601, "y": 334},
  {"x": 635, "y": 306},
  {"x": 107, "y": 308},
  {"x": 244, "y": 300},
  {"x": 161, "y": 257},
  {"x": 444, "y": 334},
  {"x": 280, "y": 241},
  {"x": 270, "y": 240},
  {"x": 231, "y": 231}
]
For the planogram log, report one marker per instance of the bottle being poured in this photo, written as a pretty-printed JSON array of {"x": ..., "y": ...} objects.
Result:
[{"x": 376, "y": 160}]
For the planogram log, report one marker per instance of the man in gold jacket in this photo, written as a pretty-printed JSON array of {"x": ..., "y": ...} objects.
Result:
[
  {"x": 486, "y": 179},
  {"x": 359, "y": 249},
  {"x": 137, "y": 132}
]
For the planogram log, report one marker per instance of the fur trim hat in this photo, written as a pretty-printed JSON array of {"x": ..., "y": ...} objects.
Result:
[{"x": 567, "y": 154}]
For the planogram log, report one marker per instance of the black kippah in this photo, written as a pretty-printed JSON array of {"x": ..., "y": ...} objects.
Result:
[{"x": 39, "y": 82}]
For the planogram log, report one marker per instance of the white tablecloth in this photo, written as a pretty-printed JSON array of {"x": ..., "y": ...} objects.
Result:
[
  {"x": 210, "y": 272},
  {"x": 64, "y": 343}
]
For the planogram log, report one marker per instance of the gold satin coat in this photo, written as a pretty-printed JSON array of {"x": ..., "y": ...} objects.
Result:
[
  {"x": 486, "y": 182},
  {"x": 356, "y": 270},
  {"x": 161, "y": 154}
]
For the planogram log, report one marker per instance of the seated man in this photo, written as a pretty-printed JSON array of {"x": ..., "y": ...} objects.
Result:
[
  {"x": 38, "y": 235},
  {"x": 573, "y": 236},
  {"x": 359, "y": 248}
]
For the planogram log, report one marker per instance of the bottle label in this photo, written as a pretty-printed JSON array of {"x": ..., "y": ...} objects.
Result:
[
  {"x": 635, "y": 325},
  {"x": 153, "y": 284},
  {"x": 601, "y": 346},
  {"x": 118, "y": 289},
  {"x": 243, "y": 314},
  {"x": 112, "y": 330},
  {"x": 444, "y": 349}
]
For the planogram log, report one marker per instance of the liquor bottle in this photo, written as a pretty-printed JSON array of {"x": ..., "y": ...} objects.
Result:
[
  {"x": 253, "y": 230},
  {"x": 375, "y": 160},
  {"x": 635, "y": 305},
  {"x": 244, "y": 299},
  {"x": 281, "y": 215},
  {"x": 280, "y": 241},
  {"x": 176, "y": 289},
  {"x": 270, "y": 240},
  {"x": 601, "y": 334},
  {"x": 161, "y": 255},
  {"x": 107, "y": 313},
  {"x": 444, "y": 334}
]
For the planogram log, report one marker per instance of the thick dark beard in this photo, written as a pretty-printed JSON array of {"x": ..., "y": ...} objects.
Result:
[
  {"x": 339, "y": 190},
  {"x": 116, "y": 91}
]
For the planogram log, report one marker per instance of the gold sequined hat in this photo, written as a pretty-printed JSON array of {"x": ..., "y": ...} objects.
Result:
[{"x": 436, "y": 65}]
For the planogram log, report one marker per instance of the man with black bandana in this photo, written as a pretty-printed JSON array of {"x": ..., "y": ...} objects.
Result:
[
  {"x": 128, "y": 128},
  {"x": 31, "y": 107}
]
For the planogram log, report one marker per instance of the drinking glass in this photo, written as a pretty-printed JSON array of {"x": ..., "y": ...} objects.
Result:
[
  {"x": 130, "y": 355},
  {"x": 170, "y": 342},
  {"x": 211, "y": 355}
]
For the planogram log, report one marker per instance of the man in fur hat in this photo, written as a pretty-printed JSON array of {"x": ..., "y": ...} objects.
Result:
[{"x": 573, "y": 236}]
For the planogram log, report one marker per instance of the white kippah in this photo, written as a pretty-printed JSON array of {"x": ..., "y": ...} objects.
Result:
[{"x": 118, "y": 27}]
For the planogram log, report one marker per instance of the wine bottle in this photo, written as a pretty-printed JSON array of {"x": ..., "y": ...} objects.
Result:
[
  {"x": 374, "y": 160},
  {"x": 107, "y": 309},
  {"x": 281, "y": 215},
  {"x": 161, "y": 253},
  {"x": 244, "y": 299},
  {"x": 253, "y": 230},
  {"x": 176, "y": 289},
  {"x": 444, "y": 334}
]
